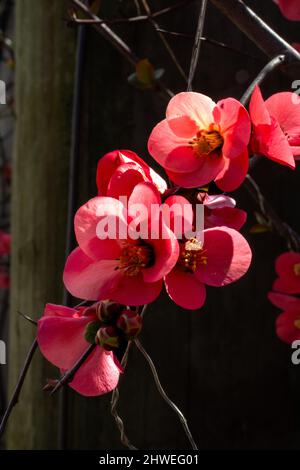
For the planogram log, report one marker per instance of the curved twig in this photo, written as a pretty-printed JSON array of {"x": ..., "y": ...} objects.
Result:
[
  {"x": 197, "y": 44},
  {"x": 165, "y": 397}
]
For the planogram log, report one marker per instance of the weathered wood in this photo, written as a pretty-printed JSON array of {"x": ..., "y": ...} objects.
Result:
[{"x": 44, "y": 77}]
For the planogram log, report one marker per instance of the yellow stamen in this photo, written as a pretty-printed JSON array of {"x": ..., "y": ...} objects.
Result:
[
  {"x": 297, "y": 323},
  {"x": 207, "y": 141},
  {"x": 297, "y": 269},
  {"x": 191, "y": 255},
  {"x": 135, "y": 257}
]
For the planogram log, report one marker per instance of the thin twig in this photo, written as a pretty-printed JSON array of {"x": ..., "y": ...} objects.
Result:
[
  {"x": 165, "y": 396},
  {"x": 114, "y": 404},
  {"x": 259, "y": 32},
  {"x": 281, "y": 227},
  {"x": 197, "y": 44},
  {"x": 133, "y": 19},
  {"x": 270, "y": 67},
  {"x": 69, "y": 375},
  {"x": 15, "y": 397},
  {"x": 164, "y": 40},
  {"x": 213, "y": 42},
  {"x": 117, "y": 42}
]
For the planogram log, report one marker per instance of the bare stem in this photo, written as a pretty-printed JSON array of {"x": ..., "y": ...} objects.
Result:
[
  {"x": 114, "y": 410},
  {"x": 164, "y": 40},
  {"x": 282, "y": 228},
  {"x": 259, "y": 32},
  {"x": 15, "y": 396},
  {"x": 269, "y": 68},
  {"x": 116, "y": 42},
  {"x": 68, "y": 376},
  {"x": 165, "y": 396},
  {"x": 197, "y": 44}
]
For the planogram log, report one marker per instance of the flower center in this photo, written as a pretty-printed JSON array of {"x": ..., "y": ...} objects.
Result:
[
  {"x": 207, "y": 141},
  {"x": 297, "y": 269},
  {"x": 191, "y": 255},
  {"x": 136, "y": 257},
  {"x": 297, "y": 323}
]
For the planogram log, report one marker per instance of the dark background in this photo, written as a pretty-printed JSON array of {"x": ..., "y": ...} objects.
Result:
[{"x": 223, "y": 365}]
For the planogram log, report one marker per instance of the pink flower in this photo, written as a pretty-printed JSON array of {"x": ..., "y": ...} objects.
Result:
[
  {"x": 223, "y": 258},
  {"x": 289, "y": 8},
  {"x": 5, "y": 242},
  {"x": 276, "y": 126},
  {"x": 201, "y": 141},
  {"x": 125, "y": 270},
  {"x": 288, "y": 322},
  {"x": 220, "y": 210},
  {"x": 287, "y": 267},
  {"x": 119, "y": 171},
  {"x": 61, "y": 338}
]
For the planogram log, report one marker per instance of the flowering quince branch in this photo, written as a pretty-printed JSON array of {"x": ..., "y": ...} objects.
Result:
[
  {"x": 197, "y": 44},
  {"x": 259, "y": 32},
  {"x": 165, "y": 396},
  {"x": 69, "y": 375},
  {"x": 282, "y": 228},
  {"x": 134, "y": 19},
  {"x": 269, "y": 68},
  {"x": 163, "y": 40},
  {"x": 116, "y": 41},
  {"x": 15, "y": 396},
  {"x": 114, "y": 403}
]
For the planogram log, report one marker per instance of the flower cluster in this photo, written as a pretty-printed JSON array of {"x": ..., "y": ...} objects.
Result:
[
  {"x": 128, "y": 252},
  {"x": 288, "y": 282}
]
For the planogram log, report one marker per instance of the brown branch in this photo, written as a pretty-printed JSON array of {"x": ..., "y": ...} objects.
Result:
[
  {"x": 165, "y": 397},
  {"x": 197, "y": 44},
  {"x": 271, "y": 43},
  {"x": 133, "y": 19},
  {"x": 116, "y": 42},
  {"x": 164, "y": 40},
  {"x": 15, "y": 397},
  {"x": 69, "y": 375}
]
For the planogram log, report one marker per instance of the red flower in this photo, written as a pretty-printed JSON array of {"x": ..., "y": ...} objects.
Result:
[
  {"x": 129, "y": 271},
  {"x": 223, "y": 258},
  {"x": 119, "y": 171},
  {"x": 288, "y": 322},
  {"x": 289, "y": 8},
  {"x": 220, "y": 210},
  {"x": 276, "y": 126},
  {"x": 287, "y": 267},
  {"x": 61, "y": 338},
  {"x": 200, "y": 141}
]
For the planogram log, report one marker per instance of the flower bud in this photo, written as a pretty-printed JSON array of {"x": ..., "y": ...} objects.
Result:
[
  {"x": 108, "y": 338},
  {"x": 130, "y": 323},
  {"x": 107, "y": 310}
]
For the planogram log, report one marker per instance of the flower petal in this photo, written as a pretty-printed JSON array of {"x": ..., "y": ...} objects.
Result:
[
  {"x": 284, "y": 302},
  {"x": 209, "y": 168},
  {"x": 171, "y": 151},
  {"x": 285, "y": 108},
  {"x": 184, "y": 289},
  {"x": 99, "y": 374},
  {"x": 134, "y": 291},
  {"x": 88, "y": 279},
  {"x": 87, "y": 219},
  {"x": 233, "y": 173},
  {"x": 196, "y": 106},
  {"x": 228, "y": 257},
  {"x": 235, "y": 126}
]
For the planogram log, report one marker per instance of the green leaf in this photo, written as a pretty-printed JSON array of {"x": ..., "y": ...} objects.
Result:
[
  {"x": 145, "y": 76},
  {"x": 260, "y": 228}
]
